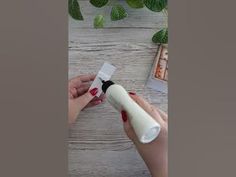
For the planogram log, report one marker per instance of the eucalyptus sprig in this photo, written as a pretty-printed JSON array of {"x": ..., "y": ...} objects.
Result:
[{"x": 118, "y": 12}]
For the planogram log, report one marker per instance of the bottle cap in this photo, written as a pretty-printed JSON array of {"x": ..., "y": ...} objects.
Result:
[{"x": 106, "y": 85}]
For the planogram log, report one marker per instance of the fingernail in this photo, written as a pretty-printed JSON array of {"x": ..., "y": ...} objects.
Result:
[
  {"x": 124, "y": 116},
  {"x": 94, "y": 91},
  {"x": 132, "y": 93}
]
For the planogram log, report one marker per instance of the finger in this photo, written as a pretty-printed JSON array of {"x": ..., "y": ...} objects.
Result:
[
  {"x": 163, "y": 114},
  {"x": 77, "y": 81},
  {"x": 86, "y": 77},
  {"x": 147, "y": 107},
  {"x": 93, "y": 103},
  {"x": 84, "y": 99},
  {"x": 74, "y": 82},
  {"x": 128, "y": 127},
  {"x": 97, "y": 98},
  {"x": 96, "y": 101},
  {"x": 83, "y": 88},
  {"x": 101, "y": 97},
  {"x": 73, "y": 93}
]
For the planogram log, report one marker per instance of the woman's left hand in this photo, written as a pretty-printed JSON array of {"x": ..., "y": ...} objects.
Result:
[{"x": 80, "y": 97}]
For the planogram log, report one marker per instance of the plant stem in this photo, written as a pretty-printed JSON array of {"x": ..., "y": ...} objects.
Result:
[
  {"x": 165, "y": 12},
  {"x": 112, "y": 2}
]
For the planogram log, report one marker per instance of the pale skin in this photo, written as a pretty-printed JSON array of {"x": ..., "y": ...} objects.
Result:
[
  {"x": 154, "y": 154},
  {"x": 80, "y": 97}
]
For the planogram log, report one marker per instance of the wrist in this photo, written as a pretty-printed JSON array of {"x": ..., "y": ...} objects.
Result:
[
  {"x": 159, "y": 167},
  {"x": 159, "y": 173},
  {"x": 73, "y": 111}
]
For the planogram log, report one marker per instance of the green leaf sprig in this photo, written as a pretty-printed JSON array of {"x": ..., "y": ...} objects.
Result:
[
  {"x": 99, "y": 21},
  {"x": 161, "y": 36},
  {"x": 98, "y": 3},
  {"x": 74, "y": 10},
  {"x": 155, "y": 5},
  {"x": 137, "y": 4},
  {"x": 118, "y": 12}
]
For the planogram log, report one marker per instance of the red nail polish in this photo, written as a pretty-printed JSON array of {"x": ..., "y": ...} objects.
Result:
[
  {"x": 132, "y": 93},
  {"x": 94, "y": 91},
  {"x": 124, "y": 116}
]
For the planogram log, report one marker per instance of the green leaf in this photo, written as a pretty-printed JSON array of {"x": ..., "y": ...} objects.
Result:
[
  {"x": 135, "y": 3},
  {"x": 99, "y": 3},
  {"x": 98, "y": 21},
  {"x": 118, "y": 12},
  {"x": 74, "y": 10},
  {"x": 161, "y": 36},
  {"x": 155, "y": 5}
]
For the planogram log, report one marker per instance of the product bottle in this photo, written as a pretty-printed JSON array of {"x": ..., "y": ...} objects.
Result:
[{"x": 145, "y": 127}]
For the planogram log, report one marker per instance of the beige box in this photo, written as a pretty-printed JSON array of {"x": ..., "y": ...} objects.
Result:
[{"x": 158, "y": 78}]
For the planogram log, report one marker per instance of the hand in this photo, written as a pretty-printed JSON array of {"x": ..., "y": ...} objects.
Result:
[
  {"x": 155, "y": 153},
  {"x": 80, "y": 97}
]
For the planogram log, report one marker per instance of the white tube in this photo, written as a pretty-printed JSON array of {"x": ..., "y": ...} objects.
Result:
[{"x": 145, "y": 127}]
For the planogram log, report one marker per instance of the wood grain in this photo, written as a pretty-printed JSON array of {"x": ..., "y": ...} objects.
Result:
[{"x": 98, "y": 146}]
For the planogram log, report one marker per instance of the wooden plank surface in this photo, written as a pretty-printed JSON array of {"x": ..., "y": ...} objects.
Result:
[{"x": 98, "y": 146}]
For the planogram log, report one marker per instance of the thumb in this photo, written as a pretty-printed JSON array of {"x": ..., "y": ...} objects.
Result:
[{"x": 84, "y": 99}]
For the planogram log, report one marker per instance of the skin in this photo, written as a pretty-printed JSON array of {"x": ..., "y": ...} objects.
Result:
[
  {"x": 80, "y": 97},
  {"x": 154, "y": 154}
]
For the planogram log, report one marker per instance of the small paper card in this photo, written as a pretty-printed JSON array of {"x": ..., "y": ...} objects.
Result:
[
  {"x": 159, "y": 74},
  {"x": 104, "y": 73}
]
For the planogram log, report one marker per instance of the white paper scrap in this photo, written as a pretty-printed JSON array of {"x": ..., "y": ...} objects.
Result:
[{"x": 104, "y": 73}]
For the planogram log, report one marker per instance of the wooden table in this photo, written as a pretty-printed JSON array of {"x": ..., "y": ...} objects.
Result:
[{"x": 98, "y": 146}]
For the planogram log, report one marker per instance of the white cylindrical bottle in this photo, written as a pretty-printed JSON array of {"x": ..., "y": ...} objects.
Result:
[{"x": 145, "y": 127}]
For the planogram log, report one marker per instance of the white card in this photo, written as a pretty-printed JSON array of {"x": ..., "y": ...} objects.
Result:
[{"x": 104, "y": 73}]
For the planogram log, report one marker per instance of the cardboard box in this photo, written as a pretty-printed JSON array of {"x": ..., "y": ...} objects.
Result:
[{"x": 158, "y": 79}]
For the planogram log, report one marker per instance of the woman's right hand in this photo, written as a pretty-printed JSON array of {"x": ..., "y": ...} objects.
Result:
[{"x": 154, "y": 154}]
